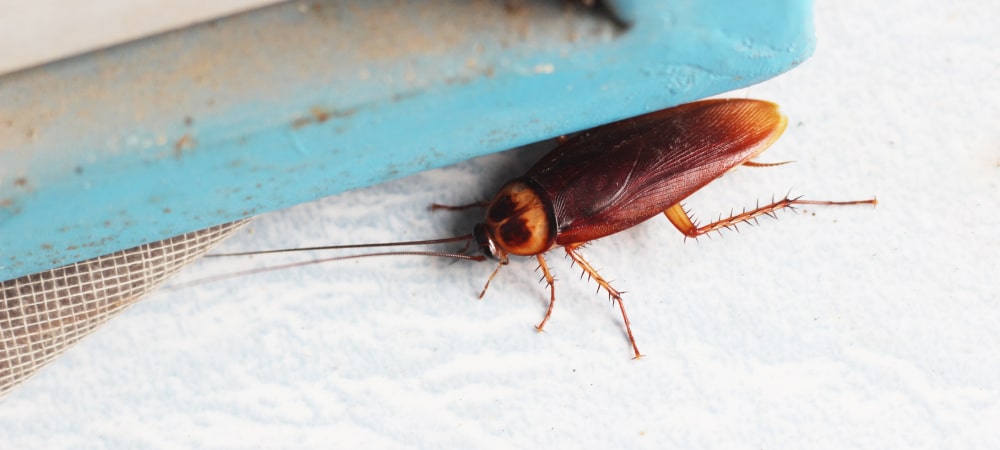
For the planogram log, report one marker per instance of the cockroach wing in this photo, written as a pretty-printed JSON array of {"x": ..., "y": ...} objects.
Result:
[{"x": 618, "y": 175}]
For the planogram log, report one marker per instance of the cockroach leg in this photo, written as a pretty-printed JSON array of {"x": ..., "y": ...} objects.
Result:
[
  {"x": 615, "y": 295},
  {"x": 479, "y": 204},
  {"x": 682, "y": 221},
  {"x": 551, "y": 281},
  {"x": 760, "y": 164},
  {"x": 466, "y": 247},
  {"x": 488, "y": 280}
]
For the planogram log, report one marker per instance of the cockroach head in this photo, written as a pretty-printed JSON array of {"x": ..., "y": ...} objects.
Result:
[{"x": 487, "y": 246}]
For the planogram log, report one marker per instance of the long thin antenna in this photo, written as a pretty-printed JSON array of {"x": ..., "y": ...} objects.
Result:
[
  {"x": 259, "y": 270},
  {"x": 465, "y": 237}
]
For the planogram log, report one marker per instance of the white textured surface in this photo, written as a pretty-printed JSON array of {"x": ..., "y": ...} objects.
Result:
[{"x": 836, "y": 328}]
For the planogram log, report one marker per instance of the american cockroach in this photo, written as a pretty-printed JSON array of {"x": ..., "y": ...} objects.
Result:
[{"x": 610, "y": 178}]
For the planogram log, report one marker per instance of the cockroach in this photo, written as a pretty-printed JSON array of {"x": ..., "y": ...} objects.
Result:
[{"x": 611, "y": 178}]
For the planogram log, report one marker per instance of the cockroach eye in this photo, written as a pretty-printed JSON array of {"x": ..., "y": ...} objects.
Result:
[{"x": 485, "y": 243}]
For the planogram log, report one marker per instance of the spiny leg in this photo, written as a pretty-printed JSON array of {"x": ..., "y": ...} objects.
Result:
[
  {"x": 682, "y": 220},
  {"x": 551, "y": 281},
  {"x": 615, "y": 295}
]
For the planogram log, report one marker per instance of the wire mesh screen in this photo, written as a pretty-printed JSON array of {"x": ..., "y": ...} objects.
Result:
[{"x": 43, "y": 314}]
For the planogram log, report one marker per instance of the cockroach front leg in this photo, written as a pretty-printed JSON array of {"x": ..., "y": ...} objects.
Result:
[
  {"x": 615, "y": 295},
  {"x": 490, "y": 279},
  {"x": 551, "y": 281},
  {"x": 682, "y": 220}
]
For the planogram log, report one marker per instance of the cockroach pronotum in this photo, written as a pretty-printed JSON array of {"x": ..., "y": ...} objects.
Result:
[{"x": 608, "y": 179}]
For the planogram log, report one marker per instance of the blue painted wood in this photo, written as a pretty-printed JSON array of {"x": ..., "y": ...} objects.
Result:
[{"x": 290, "y": 103}]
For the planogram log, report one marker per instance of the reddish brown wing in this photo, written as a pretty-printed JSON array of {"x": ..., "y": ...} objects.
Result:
[{"x": 618, "y": 175}]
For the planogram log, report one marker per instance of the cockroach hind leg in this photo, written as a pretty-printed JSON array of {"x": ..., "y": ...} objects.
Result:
[
  {"x": 616, "y": 296},
  {"x": 872, "y": 201},
  {"x": 551, "y": 281},
  {"x": 682, "y": 220}
]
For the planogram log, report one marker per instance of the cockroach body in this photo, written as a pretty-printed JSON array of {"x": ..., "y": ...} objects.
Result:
[
  {"x": 618, "y": 175},
  {"x": 613, "y": 177}
]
